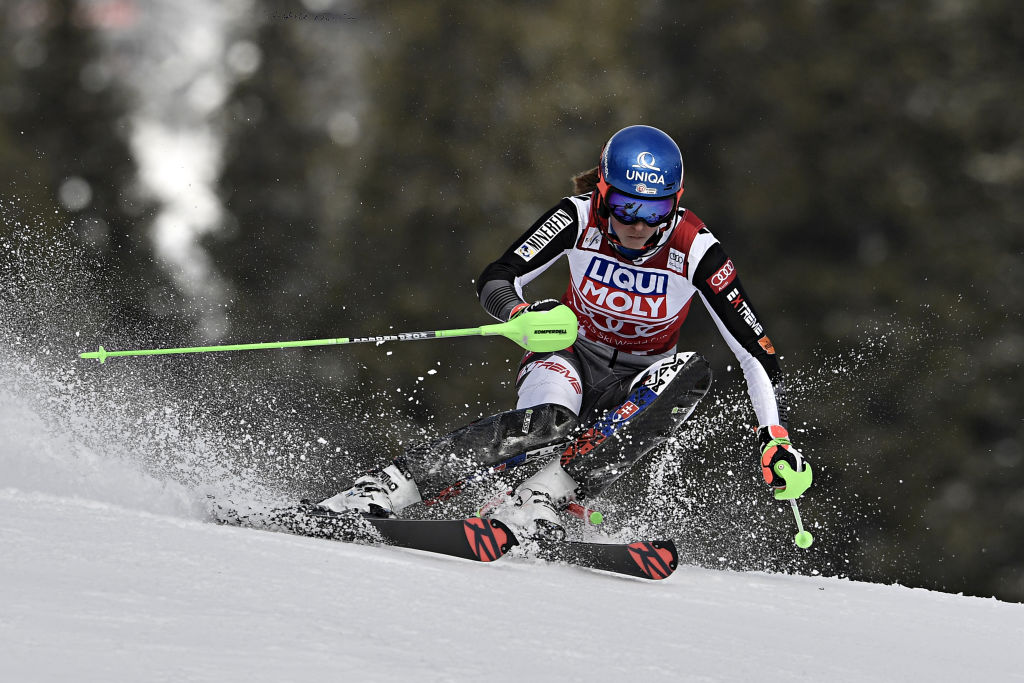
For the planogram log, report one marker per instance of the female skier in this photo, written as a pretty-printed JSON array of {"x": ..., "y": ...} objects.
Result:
[{"x": 636, "y": 259}]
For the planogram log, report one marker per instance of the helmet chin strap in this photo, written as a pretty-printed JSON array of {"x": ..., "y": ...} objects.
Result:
[{"x": 638, "y": 256}]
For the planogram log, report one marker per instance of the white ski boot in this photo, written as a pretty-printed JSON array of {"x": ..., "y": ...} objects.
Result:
[
  {"x": 381, "y": 493},
  {"x": 532, "y": 509}
]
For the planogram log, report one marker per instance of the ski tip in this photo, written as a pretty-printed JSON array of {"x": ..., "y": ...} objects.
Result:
[
  {"x": 655, "y": 559},
  {"x": 489, "y": 539}
]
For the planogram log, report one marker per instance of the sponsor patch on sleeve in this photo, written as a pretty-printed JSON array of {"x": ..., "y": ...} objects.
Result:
[
  {"x": 527, "y": 252},
  {"x": 543, "y": 235},
  {"x": 592, "y": 240},
  {"x": 722, "y": 277},
  {"x": 766, "y": 344}
]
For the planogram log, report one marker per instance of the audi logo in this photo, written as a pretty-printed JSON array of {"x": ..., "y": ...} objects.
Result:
[{"x": 719, "y": 278}]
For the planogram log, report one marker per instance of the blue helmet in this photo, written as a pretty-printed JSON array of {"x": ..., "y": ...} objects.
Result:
[
  {"x": 642, "y": 161},
  {"x": 640, "y": 178}
]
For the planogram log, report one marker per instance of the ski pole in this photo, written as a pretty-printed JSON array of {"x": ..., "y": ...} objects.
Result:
[
  {"x": 536, "y": 331},
  {"x": 803, "y": 539}
]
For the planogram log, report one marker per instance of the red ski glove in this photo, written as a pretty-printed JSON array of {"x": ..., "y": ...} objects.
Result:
[{"x": 775, "y": 448}]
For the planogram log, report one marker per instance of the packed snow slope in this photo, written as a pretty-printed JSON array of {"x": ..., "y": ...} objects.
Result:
[{"x": 95, "y": 591}]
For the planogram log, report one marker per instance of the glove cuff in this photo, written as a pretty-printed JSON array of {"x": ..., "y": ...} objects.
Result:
[
  {"x": 517, "y": 309},
  {"x": 772, "y": 435}
]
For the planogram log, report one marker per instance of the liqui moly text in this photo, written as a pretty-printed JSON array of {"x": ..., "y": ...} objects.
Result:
[{"x": 614, "y": 287}]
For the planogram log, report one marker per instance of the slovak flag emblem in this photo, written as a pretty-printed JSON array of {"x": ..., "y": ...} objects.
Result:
[{"x": 625, "y": 411}]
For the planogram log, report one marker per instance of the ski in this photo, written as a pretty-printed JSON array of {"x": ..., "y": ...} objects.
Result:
[
  {"x": 481, "y": 540},
  {"x": 653, "y": 560}
]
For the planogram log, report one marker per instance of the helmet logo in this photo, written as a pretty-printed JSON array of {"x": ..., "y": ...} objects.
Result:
[
  {"x": 645, "y": 178},
  {"x": 645, "y": 160},
  {"x": 648, "y": 174}
]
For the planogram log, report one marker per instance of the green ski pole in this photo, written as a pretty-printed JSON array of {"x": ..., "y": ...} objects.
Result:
[{"x": 536, "y": 331}]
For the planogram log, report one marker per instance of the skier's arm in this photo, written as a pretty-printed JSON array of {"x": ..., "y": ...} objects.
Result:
[
  {"x": 730, "y": 308},
  {"x": 500, "y": 286},
  {"x": 727, "y": 302}
]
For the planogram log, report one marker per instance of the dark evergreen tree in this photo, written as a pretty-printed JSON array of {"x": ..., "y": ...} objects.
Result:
[{"x": 64, "y": 136}]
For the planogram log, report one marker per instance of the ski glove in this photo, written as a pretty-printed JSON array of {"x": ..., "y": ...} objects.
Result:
[
  {"x": 542, "y": 305},
  {"x": 782, "y": 466}
]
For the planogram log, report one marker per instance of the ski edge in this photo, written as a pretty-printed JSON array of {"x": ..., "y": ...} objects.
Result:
[{"x": 654, "y": 560}]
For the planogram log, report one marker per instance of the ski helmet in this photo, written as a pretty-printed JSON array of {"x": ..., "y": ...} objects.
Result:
[{"x": 640, "y": 177}]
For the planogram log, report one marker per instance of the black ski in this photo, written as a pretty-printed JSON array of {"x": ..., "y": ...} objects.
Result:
[
  {"x": 644, "y": 559},
  {"x": 471, "y": 539}
]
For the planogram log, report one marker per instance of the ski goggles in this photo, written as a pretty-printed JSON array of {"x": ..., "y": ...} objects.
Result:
[{"x": 628, "y": 209}]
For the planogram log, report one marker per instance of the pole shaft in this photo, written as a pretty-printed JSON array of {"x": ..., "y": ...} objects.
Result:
[
  {"x": 378, "y": 339},
  {"x": 796, "y": 515}
]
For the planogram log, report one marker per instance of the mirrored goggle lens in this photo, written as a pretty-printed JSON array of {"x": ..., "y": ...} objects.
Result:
[{"x": 629, "y": 210}]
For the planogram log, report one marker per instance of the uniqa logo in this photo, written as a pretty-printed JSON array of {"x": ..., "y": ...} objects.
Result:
[
  {"x": 645, "y": 160},
  {"x": 646, "y": 177}
]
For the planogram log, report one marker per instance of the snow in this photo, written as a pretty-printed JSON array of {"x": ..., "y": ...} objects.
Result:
[{"x": 98, "y": 591}]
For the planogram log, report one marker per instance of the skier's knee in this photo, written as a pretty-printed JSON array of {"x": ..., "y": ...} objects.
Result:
[{"x": 687, "y": 367}]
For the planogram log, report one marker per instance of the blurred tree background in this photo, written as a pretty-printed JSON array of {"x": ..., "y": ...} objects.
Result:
[{"x": 861, "y": 162}]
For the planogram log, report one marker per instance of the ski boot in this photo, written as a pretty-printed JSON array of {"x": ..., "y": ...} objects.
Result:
[
  {"x": 379, "y": 494},
  {"x": 532, "y": 509}
]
